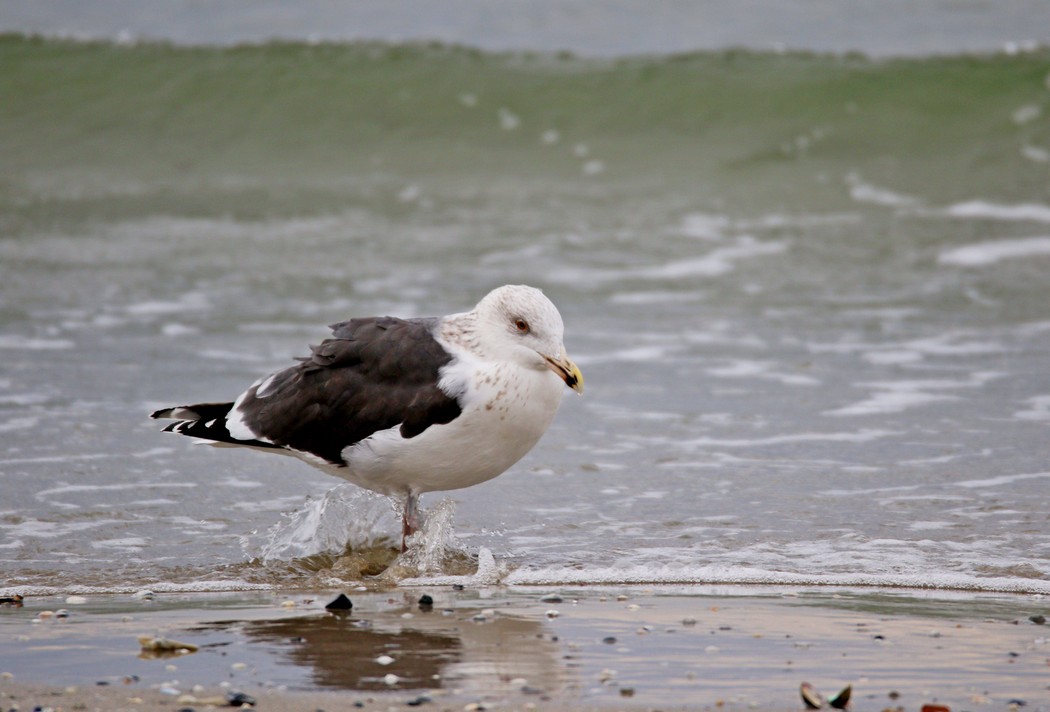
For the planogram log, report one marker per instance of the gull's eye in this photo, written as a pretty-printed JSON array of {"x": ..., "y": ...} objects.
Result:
[{"x": 522, "y": 326}]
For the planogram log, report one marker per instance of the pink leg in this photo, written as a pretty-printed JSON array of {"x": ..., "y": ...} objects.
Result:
[{"x": 409, "y": 519}]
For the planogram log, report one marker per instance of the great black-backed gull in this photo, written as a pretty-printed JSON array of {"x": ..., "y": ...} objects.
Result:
[{"x": 406, "y": 406}]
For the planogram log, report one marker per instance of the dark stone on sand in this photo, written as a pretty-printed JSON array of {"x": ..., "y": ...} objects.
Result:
[
  {"x": 102, "y": 683},
  {"x": 239, "y": 699},
  {"x": 551, "y": 598},
  {"x": 417, "y": 701},
  {"x": 609, "y": 639},
  {"x": 1037, "y": 619},
  {"x": 341, "y": 603},
  {"x": 841, "y": 700},
  {"x": 426, "y": 602},
  {"x": 457, "y": 587}
]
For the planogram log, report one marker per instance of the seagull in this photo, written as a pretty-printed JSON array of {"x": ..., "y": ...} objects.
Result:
[{"x": 407, "y": 406}]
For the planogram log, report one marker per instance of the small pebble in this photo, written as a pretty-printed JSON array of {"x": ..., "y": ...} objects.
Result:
[
  {"x": 688, "y": 620},
  {"x": 341, "y": 603},
  {"x": 239, "y": 666},
  {"x": 634, "y": 607},
  {"x": 384, "y": 660},
  {"x": 609, "y": 639},
  {"x": 287, "y": 604},
  {"x": 61, "y": 613},
  {"x": 76, "y": 600},
  {"x": 426, "y": 602},
  {"x": 552, "y": 613},
  {"x": 551, "y": 598},
  {"x": 457, "y": 587},
  {"x": 417, "y": 701},
  {"x": 621, "y": 597},
  {"x": 239, "y": 699},
  {"x": 1037, "y": 619},
  {"x": 391, "y": 679},
  {"x": 145, "y": 595}
]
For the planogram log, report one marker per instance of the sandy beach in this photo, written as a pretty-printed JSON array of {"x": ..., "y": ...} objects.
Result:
[{"x": 523, "y": 648}]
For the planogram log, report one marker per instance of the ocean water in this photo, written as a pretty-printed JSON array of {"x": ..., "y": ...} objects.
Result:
[{"x": 808, "y": 292}]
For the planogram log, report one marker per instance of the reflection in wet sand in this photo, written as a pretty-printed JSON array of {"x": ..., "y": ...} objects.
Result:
[{"x": 470, "y": 650}]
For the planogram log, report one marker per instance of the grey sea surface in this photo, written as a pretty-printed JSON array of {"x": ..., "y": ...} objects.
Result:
[{"x": 808, "y": 295}]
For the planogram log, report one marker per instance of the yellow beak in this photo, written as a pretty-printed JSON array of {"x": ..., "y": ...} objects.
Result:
[{"x": 567, "y": 371}]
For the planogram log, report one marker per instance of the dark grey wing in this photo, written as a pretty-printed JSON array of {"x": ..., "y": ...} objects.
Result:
[{"x": 373, "y": 374}]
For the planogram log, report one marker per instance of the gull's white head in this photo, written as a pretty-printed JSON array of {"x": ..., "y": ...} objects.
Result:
[{"x": 519, "y": 323}]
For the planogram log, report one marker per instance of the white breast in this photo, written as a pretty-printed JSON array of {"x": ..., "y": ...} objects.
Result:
[{"x": 506, "y": 409}]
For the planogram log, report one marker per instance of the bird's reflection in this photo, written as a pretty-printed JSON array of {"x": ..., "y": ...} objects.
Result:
[{"x": 431, "y": 649}]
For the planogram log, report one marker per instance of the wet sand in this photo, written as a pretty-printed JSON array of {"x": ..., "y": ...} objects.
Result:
[{"x": 522, "y": 648}]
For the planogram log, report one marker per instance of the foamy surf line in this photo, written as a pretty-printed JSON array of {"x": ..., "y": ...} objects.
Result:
[
  {"x": 231, "y": 586},
  {"x": 739, "y": 576}
]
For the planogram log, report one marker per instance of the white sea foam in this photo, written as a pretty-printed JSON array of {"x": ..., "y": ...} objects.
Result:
[
  {"x": 12, "y": 424},
  {"x": 193, "y": 301},
  {"x": 863, "y": 192},
  {"x": 130, "y": 543},
  {"x": 1001, "y": 480},
  {"x": 1038, "y": 409},
  {"x": 35, "y": 528},
  {"x": 988, "y": 253},
  {"x": 731, "y": 574},
  {"x": 640, "y": 354},
  {"x": 715, "y": 263},
  {"x": 952, "y": 343},
  {"x": 705, "y": 226},
  {"x": 741, "y": 368},
  {"x": 859, "y": 436},
  {"x": 891, "y": 401},
  {"x": 26, "y": 343},
  {"x": 898, "y": 396},
  {"x": 49, "y": 459},
  {"x": 205, "y": 586},
  {"x": 70, "y": 489},
  {"x": 657, "y": 297},
  {"x": 981, "y": 209}
]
